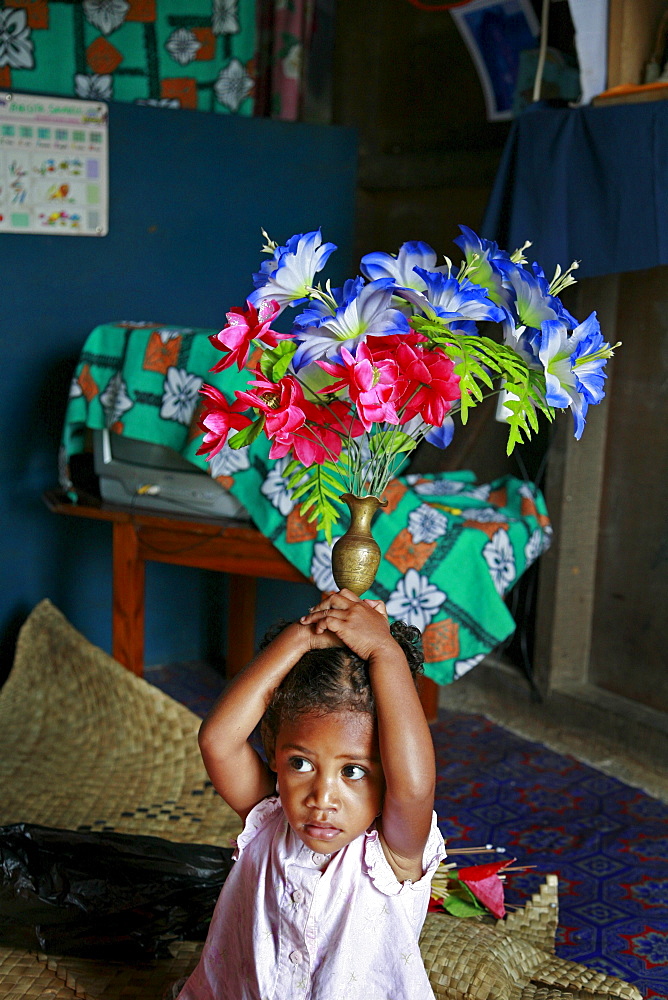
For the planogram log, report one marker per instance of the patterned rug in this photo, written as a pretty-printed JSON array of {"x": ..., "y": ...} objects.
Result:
[{"x": 607, "y": 841}]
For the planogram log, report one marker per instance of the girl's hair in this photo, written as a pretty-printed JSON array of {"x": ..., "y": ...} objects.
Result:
[{"x": 328, "y": 680}]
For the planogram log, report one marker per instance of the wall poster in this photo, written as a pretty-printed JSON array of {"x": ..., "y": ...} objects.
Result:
[
  {"x": 495, "y": 33},
  {"x": 53, "y": 165}
]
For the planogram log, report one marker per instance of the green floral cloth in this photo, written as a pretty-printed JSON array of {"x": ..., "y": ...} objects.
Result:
[
  {"x": 452, "y": 547},
  {"x": 197, "y": 54}
]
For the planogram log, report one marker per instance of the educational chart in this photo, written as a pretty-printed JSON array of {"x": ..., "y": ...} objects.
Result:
[{"x": 53, "y": 165}]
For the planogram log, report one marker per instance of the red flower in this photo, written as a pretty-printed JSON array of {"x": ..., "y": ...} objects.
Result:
[
  {"x": 485, "y": 884},
  {"x": 282, "y": 402},
  {"x": 427, "y": 384},
  {"x": 321, "y": 438},
  {"x": 244, "y": 327},
  {"x": 370, "y": 382},
  {"x": 219, "y": 418},
  {"x": 384, "y": 347}
]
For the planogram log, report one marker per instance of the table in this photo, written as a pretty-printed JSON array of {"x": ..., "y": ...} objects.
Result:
[{"x": 226, "y": 546}]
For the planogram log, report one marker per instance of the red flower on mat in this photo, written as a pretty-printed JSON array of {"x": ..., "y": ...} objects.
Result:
[{"x": 485, "y": 884}]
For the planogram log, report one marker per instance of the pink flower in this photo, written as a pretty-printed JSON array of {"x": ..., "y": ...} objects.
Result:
[
  {"x": 244, "y": 327},
  {"x": 321, "y": 438},
  {"x": 218, "y": 420},
  {"x": 485, "y": 884},
  {"x": 427, "y": 384},
  {"x": 282, "y": 403},
  {"x": 371, "y": 384}
]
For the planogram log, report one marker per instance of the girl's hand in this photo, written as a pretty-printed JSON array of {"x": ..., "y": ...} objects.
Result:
[{"x": 362, "y": 626}]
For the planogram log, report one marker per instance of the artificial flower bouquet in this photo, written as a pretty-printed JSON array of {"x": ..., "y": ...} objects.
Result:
[{"x": 369, "y": 370}]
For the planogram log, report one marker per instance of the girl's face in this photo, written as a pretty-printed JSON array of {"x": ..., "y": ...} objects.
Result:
[{"x": 330, "y": 777}]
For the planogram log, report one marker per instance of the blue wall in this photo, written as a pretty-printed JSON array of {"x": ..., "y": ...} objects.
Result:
[{"x": 189, "y": 194}]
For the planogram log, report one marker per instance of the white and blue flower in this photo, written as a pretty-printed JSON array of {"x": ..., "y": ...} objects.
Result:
[
  {"x": 426, "y": 524},
  {"x": 228, "y": 461},
  {"x": 115, "y": 399},
  {"x": 180, "y": 395},
  {"x": 415, "y": 600},
  {"x": 539, "y": 541},
  {"x": 500, "y": 559},
  {"x": 321, "y": 566},
  {"x": 573, "y": 365},
  {"x": 402, "y": 269},
  {"x": 287, "y": 277},
  {"x": 366, "y": 314},
  {"x": 275, "y": 487}
]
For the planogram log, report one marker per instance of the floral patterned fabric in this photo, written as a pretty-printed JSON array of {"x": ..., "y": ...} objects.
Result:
[
  {"x": 196, "y": 54},
  {"x": 452, "y": 547}
]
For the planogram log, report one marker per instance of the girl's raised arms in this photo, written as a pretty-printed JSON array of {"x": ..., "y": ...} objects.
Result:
[
  {"x": 237, "y": 771},
  {"x": 406, "y": 747}
]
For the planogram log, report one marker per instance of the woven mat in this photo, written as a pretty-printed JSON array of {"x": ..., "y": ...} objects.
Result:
[{"x": 84, "y": 744}]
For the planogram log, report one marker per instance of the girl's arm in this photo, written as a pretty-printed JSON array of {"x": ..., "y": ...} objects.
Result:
[
  {"x": 406, "y": 748},
  {"x": 237, "y": 771}
]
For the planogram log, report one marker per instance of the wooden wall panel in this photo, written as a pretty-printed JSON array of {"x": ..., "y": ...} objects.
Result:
[
  {"x": 632, "y": 33},
  {"x": 630, "y": 624}
]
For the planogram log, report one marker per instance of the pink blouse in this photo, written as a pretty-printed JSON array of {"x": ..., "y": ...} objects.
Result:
[{"x": 293, "y": 924}]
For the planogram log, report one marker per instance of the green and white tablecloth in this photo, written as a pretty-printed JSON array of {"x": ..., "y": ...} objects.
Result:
[{"x": 452, "y": 547}]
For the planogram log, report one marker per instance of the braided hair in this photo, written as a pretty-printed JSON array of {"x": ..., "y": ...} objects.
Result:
[{"x": 333, "y": 679}]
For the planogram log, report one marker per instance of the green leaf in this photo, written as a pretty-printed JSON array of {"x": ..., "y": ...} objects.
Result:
[
  {"x": 461, "y": 907},
  {"x": 390, "y": 442},
  {"x": 463, "y": 899},
  {"x": 274, "y": 363},
  {"x": 525, "y": 397},
  {"x": 247, "y": 435},
  {"x": 319, "y": 486}
]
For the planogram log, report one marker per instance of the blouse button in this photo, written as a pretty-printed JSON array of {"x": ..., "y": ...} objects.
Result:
[
  {"x": 295, "y": 957},
  {"x": 297, "y": 896},
  {"x": 319, "y": 859}
]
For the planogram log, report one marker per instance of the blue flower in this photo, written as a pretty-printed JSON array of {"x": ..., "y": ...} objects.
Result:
[
  {"x": 460, "y": 301},
  {"x": 588, "y": 359},
  {"x": 574, "y": 366},
  {"x": 556, "y": 303},
  {"x": 288, "y": 276},
  {"x": 441, "y": 436},
  {"x": 319, "y": 310},
  {"x": 486, "y": 264},
  {"x": 531, "y": 305},
  {"x": 366, "y": 314},
  {"x": 401, "y": 269}
]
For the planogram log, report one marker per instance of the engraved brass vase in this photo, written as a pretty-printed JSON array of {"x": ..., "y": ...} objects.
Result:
[{"x": 356, "y": 555}]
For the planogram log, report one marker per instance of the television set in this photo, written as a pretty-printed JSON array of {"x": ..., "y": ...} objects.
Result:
[{"x": 154, "y": 477}]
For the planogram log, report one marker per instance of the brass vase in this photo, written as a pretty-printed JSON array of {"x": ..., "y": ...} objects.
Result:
[{"x": 356, "y": 555}]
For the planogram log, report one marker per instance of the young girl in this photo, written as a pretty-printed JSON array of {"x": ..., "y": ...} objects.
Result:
[{"x": 330, "y": 888}]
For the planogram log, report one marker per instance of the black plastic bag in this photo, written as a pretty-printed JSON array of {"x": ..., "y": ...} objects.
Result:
[{"x": 103, "y": 895}]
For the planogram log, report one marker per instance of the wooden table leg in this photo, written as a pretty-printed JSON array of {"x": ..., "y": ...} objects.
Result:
[
  {"x": 128, "y": 599},
  {"x": 240, "y": 623},
  {"x": 428, "y": 691}
]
